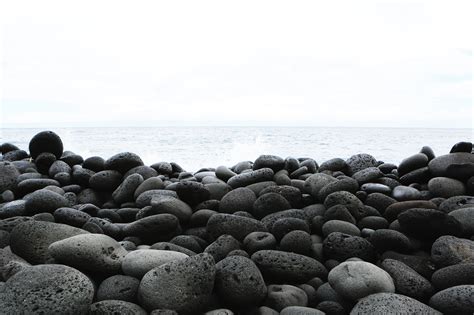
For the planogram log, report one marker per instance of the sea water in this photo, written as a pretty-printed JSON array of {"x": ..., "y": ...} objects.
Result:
[{"x": 197, "y": 147}]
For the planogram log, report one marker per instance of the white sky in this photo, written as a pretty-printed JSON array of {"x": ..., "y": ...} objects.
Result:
[{"x": 321, "y": 63}]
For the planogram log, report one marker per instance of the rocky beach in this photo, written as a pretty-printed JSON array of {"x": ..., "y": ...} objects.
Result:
[{"x": 291, "y": 236}]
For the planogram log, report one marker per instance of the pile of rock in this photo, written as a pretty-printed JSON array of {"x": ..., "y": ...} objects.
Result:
[{"x": 273, "y": 236}]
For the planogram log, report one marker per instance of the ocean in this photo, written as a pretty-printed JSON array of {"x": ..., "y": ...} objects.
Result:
[{"x": 197, "y": 147}]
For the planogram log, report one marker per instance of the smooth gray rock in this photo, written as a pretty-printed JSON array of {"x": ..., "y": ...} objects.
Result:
[
  {"x": 367, "y": 175},
  {"x": 166, "y": 204},
  {"x": 450, "y": 250},
  {"x": 138, "y": 262},
  {"x": 12, "y": 209},
  {"x": 412, "y": 163},
  {"x": 357, "y": 279},
  {"x": 31, "y": 239},
  {"x": 125, "y": 192},
  {"x": 151, "y": 183},
  {"x": 404, "y": 193},
  {"x": 439, "y": 165},
  {"x": 91, "y": 252},
  {"x": 44, "y": 200},
  {"x": 465, "y": 216},
  {"x": 446, "y": 187}
]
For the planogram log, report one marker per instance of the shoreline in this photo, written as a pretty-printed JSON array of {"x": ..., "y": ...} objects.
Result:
[{"x": 263, "y": 237}]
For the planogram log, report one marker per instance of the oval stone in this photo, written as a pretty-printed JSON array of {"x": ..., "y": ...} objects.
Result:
[
  {"x": 138, "y": 262},
  {"x": 357, "y": 279},
  {"x": 288, "y": 267}
]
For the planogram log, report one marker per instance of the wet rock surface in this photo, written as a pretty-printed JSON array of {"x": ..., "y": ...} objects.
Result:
[{"x": 275, "y": 235}]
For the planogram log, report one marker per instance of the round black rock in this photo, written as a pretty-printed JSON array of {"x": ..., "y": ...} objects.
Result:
[
  {"x": 46, "y": 141},
  {"x": 269, "y": 203}
]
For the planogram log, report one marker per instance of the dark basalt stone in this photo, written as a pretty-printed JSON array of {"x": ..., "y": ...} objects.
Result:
[
  {"x": 192, "y": 192},
  {"x": 450, "y": 250},
  {"x": 462, "y": 147},
  {"x": 245, "y": 179},
  {"x": 392, "y": 211},
  {"x": 222, "y": 246},
  {"x": 424, "y": 265},
  {"x": 44, "y": 161},
  {"x": 412, "y": 163},
  {"x": 116, "y": 307},
  {"x": 184, "y": 286},
  {"x": 8, "y": 176},
  {"x": 428, "y": 223},
  {"x": 107, "y": 180},
  {"x": 237, "y": 226},
  {"x": 7, "y": 147},
  {"x": 269, "y": 203},
  {"x": 47, "y": 289},
  {"x": 454, "y": 275},
  {"x": 340, "y": 246},
  {"x": 274, "y": 162},
  {"x": 123, "y": 162},
  {"x": 239, "y": 282},
  {"x": 351, "y": 202},
  {"x": 359, "y": 162},
  {"x": 407, "y": 281},
  {"x": 278, "y": 266},
  {"x": 94, "y": 163},
  {"x": 44, "y": 200},
  {"x": 46, "y": 141},
  {"x": 456, "y": 300},
  {"x": 155, "y": 228},
  {"x": 439, "y": 165},
  {"x": 391, "y": 303},
  {"x": 31, "y": 239},
  {"x": 385, "y": 240}
]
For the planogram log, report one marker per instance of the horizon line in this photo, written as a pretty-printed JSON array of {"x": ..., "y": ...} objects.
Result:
[{"x": 226, "y": 126}]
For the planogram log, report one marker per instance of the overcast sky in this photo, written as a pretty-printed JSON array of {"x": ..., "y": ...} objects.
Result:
[{"x": 321, "y": 63}]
